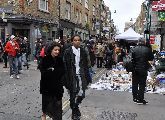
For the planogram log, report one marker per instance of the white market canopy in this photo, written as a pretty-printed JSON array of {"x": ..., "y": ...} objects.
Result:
[{"x": 129, "y": 34}]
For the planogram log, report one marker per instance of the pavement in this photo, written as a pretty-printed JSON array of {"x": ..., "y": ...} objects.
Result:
[{"x": 20, "y": 98}]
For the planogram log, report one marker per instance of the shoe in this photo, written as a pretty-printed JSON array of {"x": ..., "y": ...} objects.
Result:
[
  {"x": 135, "y": 100},
  {"x": 142, "y": 102},
  {"x": 11, "y": 76},
  {"x": 17, "y": 77},
  {"x": 4, "y": 66},
  {"x": 78, "y": 112},
  {"x": 75, "y": 117}
]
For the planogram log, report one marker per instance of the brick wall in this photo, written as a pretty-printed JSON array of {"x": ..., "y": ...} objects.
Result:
[{"x": 21, "y": 7}]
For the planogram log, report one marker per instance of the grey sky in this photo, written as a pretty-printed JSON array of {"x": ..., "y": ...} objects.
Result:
[{"x": 125, "y": 10}]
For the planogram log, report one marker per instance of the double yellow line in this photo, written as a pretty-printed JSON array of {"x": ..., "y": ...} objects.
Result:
[{"x": 67, "y": 102}]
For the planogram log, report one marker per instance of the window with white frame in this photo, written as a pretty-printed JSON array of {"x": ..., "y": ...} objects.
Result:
[
  {"x": 94, "y": 10},
  {"x": 80, "y": 17},
  {"x": 68, "y": 10},
  {"x": 80, "y": 1},
  {"x": 76, "y": 15},
  {"x": 86, "y": 18},
  {"x": 86, "y": 4},
  {"x": 43, "y": 5}
]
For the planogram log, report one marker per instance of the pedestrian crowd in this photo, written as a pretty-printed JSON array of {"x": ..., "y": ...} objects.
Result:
[
  {"x": 16, "y": 51},
  {"x": 70, "y": 63}
]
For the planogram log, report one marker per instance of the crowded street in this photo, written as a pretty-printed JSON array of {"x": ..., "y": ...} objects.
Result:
[
  {"x": 82, "y": 59},
  {"x": 20, "y": 100}
]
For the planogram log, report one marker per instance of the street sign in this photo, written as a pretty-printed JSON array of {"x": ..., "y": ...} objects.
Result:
[
  {"x": 152, "y": 39},
  {"x": 6, "y": 9}
]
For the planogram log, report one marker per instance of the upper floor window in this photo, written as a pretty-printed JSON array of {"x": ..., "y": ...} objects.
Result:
[
  {"x": 76, "y": 15},
  {"x": 80, "y": 1},
  {"x": 86, "y": 4},
  {"x": 94, "y": 10},
  {"x": 86, "y": 18},
  {"x": 80, "y": 17},
  {"x": 68, "y": 10},
  {"x": 43, "y": 5}
]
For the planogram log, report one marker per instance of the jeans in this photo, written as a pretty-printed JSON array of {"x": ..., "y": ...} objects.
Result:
[
  {"x": 24, "y": 59},
  {"x": 13, "y": 63},
  {"x": 19, "y": 62}
]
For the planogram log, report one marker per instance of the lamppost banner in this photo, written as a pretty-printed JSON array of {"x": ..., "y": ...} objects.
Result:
[
  {"x": 155, "y": 5},
  {"x": 152, "y": 39},
  {"x": 158, "y": 5}
]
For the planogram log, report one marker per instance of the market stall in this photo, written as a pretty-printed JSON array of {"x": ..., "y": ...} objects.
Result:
[{"x": 129, "y": 35}]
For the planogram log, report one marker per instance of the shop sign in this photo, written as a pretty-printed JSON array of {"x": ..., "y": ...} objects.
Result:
[
  {"x": 157, "y": 43},
  {"x": 152, "y": 39},
  {"x": 161, "y": 15},
  {"x": 6, "y": 9}
]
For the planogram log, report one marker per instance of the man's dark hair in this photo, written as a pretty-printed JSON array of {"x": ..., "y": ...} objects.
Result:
[
  {"x": 74, "y": 37},
  {"x": 141, "y": 41}
]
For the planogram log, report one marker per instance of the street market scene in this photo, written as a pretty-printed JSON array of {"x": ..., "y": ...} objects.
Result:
[{"x": 82, "y": 59}]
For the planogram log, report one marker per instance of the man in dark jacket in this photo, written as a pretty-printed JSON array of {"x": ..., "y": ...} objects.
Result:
[
  {"x": 141, "y": 55},
  {"x": 5, "y": 56},
  {"x": 76, "y": 69}
]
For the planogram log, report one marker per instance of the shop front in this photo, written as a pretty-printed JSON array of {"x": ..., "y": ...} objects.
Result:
[{"x": 66, "y": 29}]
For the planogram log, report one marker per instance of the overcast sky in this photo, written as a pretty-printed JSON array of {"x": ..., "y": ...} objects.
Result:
[{"x": 125, "y": 10}]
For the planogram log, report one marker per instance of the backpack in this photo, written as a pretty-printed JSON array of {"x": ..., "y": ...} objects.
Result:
[
  {"x": 42, "y": 52},
  {"x": 127, "y": 62}
]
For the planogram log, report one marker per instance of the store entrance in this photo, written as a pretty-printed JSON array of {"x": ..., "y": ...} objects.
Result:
[{"x": 21, "y": 32}]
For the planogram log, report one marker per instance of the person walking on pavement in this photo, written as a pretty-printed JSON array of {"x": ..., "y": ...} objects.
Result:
[
  {"x": 51, "y": 85},
  {"x": 76, "y": 73},
  {"x": 25, "y": 52},
  {"x": 12, "y": 48},
  {"x": 99, "y": 54},
  {"x": 141, "y": 55},
  {"x": 5, "y": 56}
]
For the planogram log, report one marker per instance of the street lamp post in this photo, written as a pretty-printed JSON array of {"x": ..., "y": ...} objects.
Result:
[
  {"x": 100, "y": 22},
  {"x": 59, "y": 24},
  {"x": 148, "y": 20},
  {"x": 112, "y": 27}
]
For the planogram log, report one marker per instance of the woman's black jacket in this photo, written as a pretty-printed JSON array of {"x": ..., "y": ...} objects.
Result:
[{"x": 52, "y": 70}]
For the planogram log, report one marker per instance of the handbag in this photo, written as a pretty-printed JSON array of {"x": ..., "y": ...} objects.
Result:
[{"x": 127, "y": 62}]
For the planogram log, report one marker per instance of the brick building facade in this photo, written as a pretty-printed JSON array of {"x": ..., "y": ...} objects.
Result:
[
  {"x": 50, "y": 19},
  {"x": 38, "y": 19}
]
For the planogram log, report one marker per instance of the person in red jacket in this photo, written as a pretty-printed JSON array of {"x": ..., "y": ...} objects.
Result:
[{"x": 12, "y": 48}]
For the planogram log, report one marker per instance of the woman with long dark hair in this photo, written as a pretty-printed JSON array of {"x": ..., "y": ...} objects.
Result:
[{"x": 51, "y": 86}]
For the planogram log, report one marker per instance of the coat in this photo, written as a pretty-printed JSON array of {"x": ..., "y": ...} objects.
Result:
[
  {"x": 70, "y": 69},
  {"x": 140, "y": 57},
  {"x": 51, "y": 80},
  {"x": 12, "y": 49}
]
